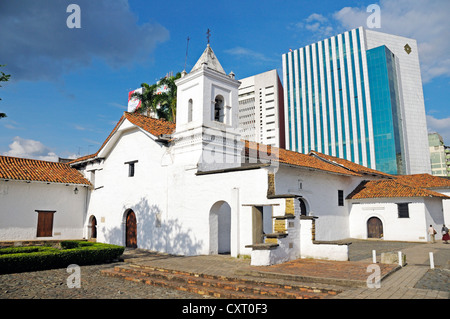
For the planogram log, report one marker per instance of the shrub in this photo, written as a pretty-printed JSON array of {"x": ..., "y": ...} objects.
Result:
[
  {"x": 19, "y": 259},
  {"x": 69, "y": 244}
]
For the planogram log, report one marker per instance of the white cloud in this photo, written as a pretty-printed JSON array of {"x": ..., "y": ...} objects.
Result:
[
  {"x": 38, "y": 45},
  {"x": 441, "y": 126},
  {"x": 26, "y": 148},
  {"x": 425, "y": 21},
  {"x": 316, "y": 17},
  {"x": 248, "y": 53},
  {"x": 319, "y": 25}
]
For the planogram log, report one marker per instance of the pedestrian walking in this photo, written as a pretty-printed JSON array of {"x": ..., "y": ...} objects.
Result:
[
  {"x": 445, "y": 235},
  {"x": 432, "y": 232}
]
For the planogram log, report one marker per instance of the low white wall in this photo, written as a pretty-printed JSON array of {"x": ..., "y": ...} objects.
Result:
[
  {"x": 309, "y": 249},
  {"x": 300, "y": 245}
]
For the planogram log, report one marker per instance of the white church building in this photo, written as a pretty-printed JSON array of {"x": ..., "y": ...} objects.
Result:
[{"x": 196, "y": 188}]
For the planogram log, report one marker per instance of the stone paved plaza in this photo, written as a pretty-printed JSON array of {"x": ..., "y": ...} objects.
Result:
[{"x": 415, "y": 280}]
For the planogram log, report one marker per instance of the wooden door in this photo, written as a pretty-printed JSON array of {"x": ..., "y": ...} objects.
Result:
[
  {"x": 131, "y": 230},
  {"x": 45, "y": 224},
  {"x": 374, "y": 228},
  {"x": 257, "y": 223},
  {"x": 93, "y": 227}
]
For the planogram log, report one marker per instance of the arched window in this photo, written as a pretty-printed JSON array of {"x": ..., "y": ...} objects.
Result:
[
  {"x": 219, "y": 112},
  {"x": 190, "y": 110}
]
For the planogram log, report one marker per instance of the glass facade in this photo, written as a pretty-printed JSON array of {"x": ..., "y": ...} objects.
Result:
[
  {"x": 326, "y": 98},
  {"x": 386, "y": 117}
]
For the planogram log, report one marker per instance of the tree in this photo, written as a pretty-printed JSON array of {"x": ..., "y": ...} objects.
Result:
[
  {"x": 168, "y": 100},
  {"x": 147, "y": 98},
  {"x": 4, "y": 78},
  {"x": 163, "y": 104}
]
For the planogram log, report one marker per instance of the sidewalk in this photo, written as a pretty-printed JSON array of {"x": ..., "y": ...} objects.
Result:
[{"x": 401, "y": 284}]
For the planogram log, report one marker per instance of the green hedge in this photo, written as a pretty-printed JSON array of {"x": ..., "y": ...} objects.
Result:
[{"x": 20, "y": 259}]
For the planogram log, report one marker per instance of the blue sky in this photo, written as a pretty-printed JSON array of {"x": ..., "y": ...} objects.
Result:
[{"x": 69, "y": 87}]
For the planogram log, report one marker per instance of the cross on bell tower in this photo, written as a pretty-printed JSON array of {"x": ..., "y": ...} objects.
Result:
[{"x": 208, "y": 34}]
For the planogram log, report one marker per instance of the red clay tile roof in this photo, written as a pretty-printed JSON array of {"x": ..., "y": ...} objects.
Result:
[
  {"x": 314, "y": 160},
  {"x": 424, "y": 181},
  {"x": 24, "y": 169},
  {"x": 388, "y": 189},
  {"x": 153, "y": 126},
  {"x": 350, "y": 165},
  {"x": 293, "y": 158}
]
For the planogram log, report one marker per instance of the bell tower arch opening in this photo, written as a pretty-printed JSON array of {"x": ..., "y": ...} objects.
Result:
[{"x": 219, "y": 110}]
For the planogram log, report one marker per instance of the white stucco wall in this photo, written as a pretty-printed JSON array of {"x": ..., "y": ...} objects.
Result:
[
  {"x": 115, "y": 192},
  {"x": 320, "y": 193},
  {"x": 309, "y": 249},
  {"x": 20, "y": 200},
  {"x": 165, "y": 188}
]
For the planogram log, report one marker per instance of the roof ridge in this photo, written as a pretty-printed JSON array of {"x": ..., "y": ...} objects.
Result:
[
  {"x": 301, "y": 160},
  {"x": 363, "y": 170},
  {"x": 314, "y": 154}
]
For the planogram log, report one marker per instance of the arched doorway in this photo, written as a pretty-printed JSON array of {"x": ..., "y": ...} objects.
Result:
[
  {"x": 92, "y": 227},
  {"x": 130, "y": 230},
  {"x": 220, "y": 228},
  {"x": 303, "y": 209},
  {"x": 374, "y": 228}
]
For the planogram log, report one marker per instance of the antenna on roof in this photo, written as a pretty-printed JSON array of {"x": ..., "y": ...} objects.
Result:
[{"x": 187, "y": 47}]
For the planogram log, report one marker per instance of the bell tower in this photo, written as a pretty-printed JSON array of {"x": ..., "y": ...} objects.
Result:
[{"x": 207, "y": 115}]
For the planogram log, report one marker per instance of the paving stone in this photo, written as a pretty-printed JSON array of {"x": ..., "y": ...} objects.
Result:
[{"x": 52, "y": 284}]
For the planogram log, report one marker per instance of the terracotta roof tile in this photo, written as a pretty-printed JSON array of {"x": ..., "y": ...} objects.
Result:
[
  {"x": 388, "y": 189},
  {"x": 294, "y": 158},
  {"x": 424, "y": 181},
  {"x": 350, "y": 165},
  {"x": 24, "y": 169},
  {"x": 155, "y": 127}
]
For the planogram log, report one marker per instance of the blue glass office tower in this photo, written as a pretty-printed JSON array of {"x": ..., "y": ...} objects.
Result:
[
  {"x": 385, "y": 100},
  {"x": 345, "y": 96}
]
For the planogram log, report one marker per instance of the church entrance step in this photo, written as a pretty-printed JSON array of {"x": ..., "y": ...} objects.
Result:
[{"x": 215, "y": 286}]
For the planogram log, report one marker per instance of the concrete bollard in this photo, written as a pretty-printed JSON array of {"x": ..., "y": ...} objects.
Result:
[
  {"x": 374, "y": 256},
  {"x": 393, "y": 258},
  {"x": 431, "y": 260}
]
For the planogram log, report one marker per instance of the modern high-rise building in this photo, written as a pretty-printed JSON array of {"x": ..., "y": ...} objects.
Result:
[
  {"x": 261, "y": 109},
  {"x": 358, "y": 96},
  {"x": 439, "y": 155}
]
